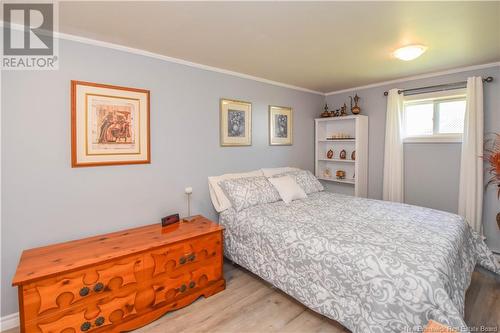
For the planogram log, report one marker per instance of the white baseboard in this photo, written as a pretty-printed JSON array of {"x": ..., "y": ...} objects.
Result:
[{"x": 9, "y": 321}]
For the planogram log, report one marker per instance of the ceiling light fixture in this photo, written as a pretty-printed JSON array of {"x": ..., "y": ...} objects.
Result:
[{"x": 410, "y": 52}]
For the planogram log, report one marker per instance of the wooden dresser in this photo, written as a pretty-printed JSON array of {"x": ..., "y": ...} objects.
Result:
[{"x": 119, "y": 281}]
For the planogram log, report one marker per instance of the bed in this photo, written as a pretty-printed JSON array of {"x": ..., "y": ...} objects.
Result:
[{"x": 373, "y": 266}]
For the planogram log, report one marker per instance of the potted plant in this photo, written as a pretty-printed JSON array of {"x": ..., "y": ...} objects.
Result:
[{"x": 492, "y": 156}]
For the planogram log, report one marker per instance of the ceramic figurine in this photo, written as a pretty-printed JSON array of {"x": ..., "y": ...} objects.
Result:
[
  {"x": 340, "y": 174},
  {"x": 325, "y": 113},
  {"x": 329, "y": 154},
  {"x": 343, "y": 154},
  {"x": 343, "y": 110},
  {"x": 353, "y": 155},
  {"x": 327, "y": 173}
]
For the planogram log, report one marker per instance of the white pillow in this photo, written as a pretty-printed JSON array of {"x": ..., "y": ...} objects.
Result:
[
  {"x": 249, "y": 191},
  {"x": 306, "y": 180},
  {"x": 288, "y": 188},
  {"x": 270, "y": 172},
  {"x": 219, "y": 199}
]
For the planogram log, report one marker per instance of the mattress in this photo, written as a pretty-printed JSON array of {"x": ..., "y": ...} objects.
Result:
[{"x": 374, "y": 266}]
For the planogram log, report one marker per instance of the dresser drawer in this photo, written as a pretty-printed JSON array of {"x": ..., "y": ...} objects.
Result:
[
  {"x": 55, "y": 294},
  {"x": 177, "y": 258},
  {"x": 172, "y": 287},
  {"x": 88, "y": 316}
]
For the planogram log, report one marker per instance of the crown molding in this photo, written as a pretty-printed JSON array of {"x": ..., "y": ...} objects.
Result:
[{"x": 417, "y": 77}]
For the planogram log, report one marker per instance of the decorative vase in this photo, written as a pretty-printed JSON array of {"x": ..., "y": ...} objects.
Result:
[{"x": 356, "y": 109}]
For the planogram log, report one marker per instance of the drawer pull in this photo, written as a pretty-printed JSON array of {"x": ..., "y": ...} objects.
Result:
[
  {"x": 192, "y": 257},
  {"x": 182, "y": 288},
  {"x": 85, "y": 326},
  {"x": 192, "y": 284},
  {"x": 99, "y": 321},
  {"x": 98, "y": 287},
  {"x": 182, "y": 260},
  {"x": 84, "y": 291}
]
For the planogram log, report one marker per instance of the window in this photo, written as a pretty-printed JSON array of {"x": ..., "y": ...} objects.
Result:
[{"x": 434, "y": 117}]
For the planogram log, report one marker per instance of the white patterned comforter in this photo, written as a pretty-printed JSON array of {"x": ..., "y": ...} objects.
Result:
[{"x": 372, "y": 265}]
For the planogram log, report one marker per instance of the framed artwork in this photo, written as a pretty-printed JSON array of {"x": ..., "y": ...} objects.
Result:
[
  {"x": 235, "y": 123},
  {"x": 280, "y": 125},
  {"x": 109, "y": 125}
]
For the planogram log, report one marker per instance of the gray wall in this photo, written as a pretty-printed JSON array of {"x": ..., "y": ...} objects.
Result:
[
  {"x": 45, "y": 200},
  {"x": 431, "y": 170}
]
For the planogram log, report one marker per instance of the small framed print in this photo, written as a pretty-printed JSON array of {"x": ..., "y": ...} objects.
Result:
[
  {"x": 235, "y": 123},
  {"x": 109, "y": 125},
  {"x": 280, "y": 125}
]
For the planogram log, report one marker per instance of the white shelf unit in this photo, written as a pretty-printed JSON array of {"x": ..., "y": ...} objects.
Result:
[{"x": 356, "y": 127}]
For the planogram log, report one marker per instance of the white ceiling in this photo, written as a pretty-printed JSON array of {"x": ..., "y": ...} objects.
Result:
[{"x": 323, "y": 46}]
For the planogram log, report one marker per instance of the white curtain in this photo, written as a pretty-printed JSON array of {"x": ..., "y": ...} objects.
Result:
[
  {"x": 470, "y": 197},
  {"x": 393, "y": 189}
]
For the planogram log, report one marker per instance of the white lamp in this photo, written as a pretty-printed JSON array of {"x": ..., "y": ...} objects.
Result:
[{"x": 188, "y": 191}]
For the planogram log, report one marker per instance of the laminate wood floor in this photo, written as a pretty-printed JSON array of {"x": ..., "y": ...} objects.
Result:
[{"x": 251, "y": 305}]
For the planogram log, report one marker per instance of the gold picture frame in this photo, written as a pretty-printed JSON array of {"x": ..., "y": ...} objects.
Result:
[
  {"x": 280, "y": 125},
  {"x": 235, "y": 123},
  {"x": 109, "y": 125}
]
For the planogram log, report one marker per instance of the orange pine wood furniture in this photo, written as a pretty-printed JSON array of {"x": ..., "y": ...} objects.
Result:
[{"x": 119, "y": 281}]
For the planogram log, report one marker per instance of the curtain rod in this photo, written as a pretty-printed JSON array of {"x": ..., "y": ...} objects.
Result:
[{"x": 439, "y": 87}]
